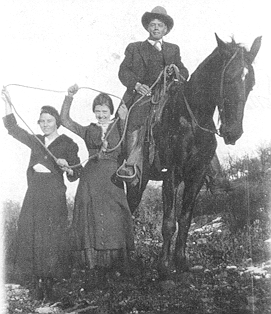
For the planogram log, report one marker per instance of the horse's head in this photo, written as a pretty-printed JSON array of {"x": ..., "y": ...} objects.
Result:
[{"x": 236, "y": 82}]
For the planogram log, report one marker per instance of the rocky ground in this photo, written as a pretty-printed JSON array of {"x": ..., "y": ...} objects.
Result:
[{"x": 214, "y": 285}]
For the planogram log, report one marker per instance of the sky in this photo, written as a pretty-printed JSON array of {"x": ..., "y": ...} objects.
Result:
[{"x": 53, "y": 44}]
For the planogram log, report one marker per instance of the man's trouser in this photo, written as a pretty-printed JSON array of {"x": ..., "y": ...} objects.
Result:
[{"x": 131, "y": 169}]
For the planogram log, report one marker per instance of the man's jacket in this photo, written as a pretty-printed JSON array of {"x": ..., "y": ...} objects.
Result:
[{"x": 143, "y": 63}]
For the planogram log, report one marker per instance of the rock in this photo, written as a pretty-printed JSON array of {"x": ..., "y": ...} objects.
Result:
[
  {"x": 47, "y": 310},
  {"x": 231, "y": 267},
  {"x": 197, "y": 268},
  {"x": 12, "y": 286}
]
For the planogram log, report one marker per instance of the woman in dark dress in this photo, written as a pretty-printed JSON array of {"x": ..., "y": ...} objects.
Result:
[
  {"x": 41, "y": 246},
  {"x": 102, "y": 221}
]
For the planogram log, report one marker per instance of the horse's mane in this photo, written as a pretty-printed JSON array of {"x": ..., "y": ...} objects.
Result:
[
  {"x": 233, "y": 44},
  {"x": 230, "y": 46}
]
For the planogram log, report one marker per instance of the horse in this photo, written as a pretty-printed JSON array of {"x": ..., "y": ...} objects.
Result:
[{"x": 183, "y": 138}]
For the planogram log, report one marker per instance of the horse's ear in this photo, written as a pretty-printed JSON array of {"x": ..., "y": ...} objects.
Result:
[
  {"x": 255, "y": 48},
  {"x": 222, "y": 47}
]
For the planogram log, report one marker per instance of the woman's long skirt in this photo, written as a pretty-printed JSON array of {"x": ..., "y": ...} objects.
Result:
[
  {"x": 102, "y": 221},
  {"x": 41, "y": 247}
]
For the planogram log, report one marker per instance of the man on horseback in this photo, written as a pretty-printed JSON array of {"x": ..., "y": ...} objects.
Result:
[{"x": 140, "y": 68}]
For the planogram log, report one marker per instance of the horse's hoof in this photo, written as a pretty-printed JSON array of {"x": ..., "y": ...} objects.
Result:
[{"x": 167, "y": 285}]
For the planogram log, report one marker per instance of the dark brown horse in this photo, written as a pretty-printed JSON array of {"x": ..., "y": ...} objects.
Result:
[{"x": 184, "y": 138}]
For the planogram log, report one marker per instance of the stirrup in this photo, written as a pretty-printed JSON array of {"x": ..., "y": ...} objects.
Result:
[{"x": 123, "y": 177}]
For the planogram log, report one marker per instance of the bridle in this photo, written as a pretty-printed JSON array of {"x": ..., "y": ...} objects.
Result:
[
  {"x": 105, "y": 149},
  {"x": 221, "y": 104}
]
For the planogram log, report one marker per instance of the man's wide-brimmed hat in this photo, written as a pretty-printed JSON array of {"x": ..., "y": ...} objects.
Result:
[{"x": 157, "y": 13}]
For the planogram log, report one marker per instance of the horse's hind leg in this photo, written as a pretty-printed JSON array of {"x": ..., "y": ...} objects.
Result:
[{"x": 168, "y": 226}]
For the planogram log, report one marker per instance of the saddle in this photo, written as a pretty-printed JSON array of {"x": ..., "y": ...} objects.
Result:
[{"x": 143, "y": 141}]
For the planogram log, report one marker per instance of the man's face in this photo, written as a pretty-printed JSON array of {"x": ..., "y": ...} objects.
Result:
[{"x": 157, "y": 29}]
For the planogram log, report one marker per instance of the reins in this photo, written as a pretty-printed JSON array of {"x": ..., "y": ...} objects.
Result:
[
  {"x": 192, "y": 116},
  {"x": 220, "y": 105},
  {"x": 104, "y": 149},
  {"x": 108, "y": 150}
]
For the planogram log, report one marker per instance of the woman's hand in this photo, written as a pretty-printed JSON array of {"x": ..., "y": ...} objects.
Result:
[
  {"x": 63, "y": 164},
  {"x": 73, "y": 90},
  {"x": 5, "y": 96},
  {"x": 122, "y": 112},
  {"x": 8, "y": 104}
]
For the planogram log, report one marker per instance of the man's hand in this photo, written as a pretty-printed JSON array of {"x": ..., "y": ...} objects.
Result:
[
  {"x": 143, "y": 89},
  {"x": 73, "y": 90}
]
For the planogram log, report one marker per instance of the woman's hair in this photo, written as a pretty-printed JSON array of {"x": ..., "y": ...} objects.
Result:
[
  {"x": 53, "y": 112},
  {"x": 103, "y": 99}
]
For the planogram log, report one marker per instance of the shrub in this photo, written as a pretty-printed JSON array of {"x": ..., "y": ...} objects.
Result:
[{"x": 11, "y": 211}]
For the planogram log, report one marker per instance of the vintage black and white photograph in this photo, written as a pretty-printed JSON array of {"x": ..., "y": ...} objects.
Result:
[{"x": 136, "y": 157}]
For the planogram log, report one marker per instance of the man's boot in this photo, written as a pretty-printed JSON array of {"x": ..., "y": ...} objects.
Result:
[{"x": 131, "y": 170}]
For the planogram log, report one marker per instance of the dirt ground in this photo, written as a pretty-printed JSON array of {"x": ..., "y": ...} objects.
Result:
[{"x": 216, "y": 287}]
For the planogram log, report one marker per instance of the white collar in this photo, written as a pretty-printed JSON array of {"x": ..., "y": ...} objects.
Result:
[
  {"x": 104, "y": 125},
  {"x": 48, "y": 141},
  {"x": 152, "y": 42}
]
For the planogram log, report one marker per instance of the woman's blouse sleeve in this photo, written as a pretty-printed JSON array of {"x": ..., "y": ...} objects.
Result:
[
  {"x": 66, "y": 120},
  {"x": 17, "y": 132},
  {"x": 73, "y": 159}
]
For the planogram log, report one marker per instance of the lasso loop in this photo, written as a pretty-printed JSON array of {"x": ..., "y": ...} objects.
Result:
[
  {"x": 103, "y": 149},
  {"x": 61, "y": 91}
]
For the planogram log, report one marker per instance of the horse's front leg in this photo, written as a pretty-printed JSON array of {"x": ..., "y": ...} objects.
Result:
[
  {"x": 169, "y": 223},
  {"x": 192, "y": 185}
]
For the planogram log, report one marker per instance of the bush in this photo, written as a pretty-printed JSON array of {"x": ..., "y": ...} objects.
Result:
[
  {"x": 11, "y": 212},
  {"x": 221, "y": 246},
  {"x": 246, "y": 202}
]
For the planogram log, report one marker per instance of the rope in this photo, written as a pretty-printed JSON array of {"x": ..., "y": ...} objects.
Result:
[
  {"x": 49, "y": 152},
  {"x": 194, "y": 120},
  {"x": 129, "y": 111},
  {"x": 106, "y": 150},
  {"x": 60, "y": 91},
  {"x": 103, "y": 148}
]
